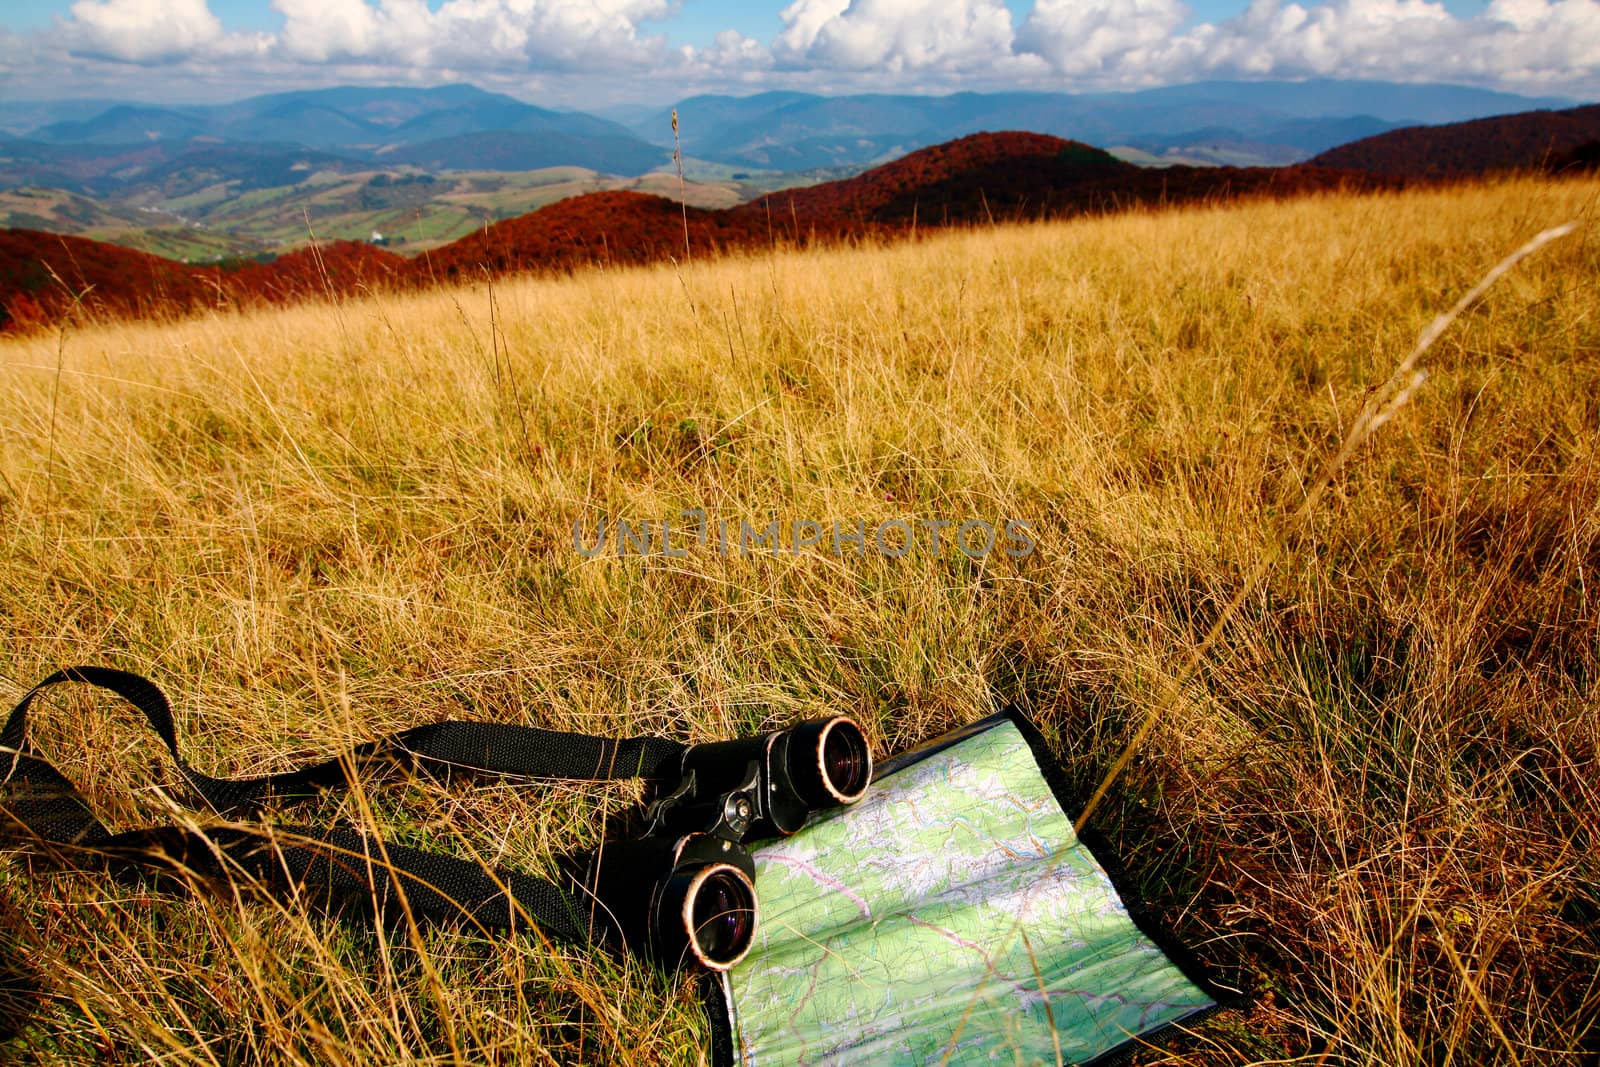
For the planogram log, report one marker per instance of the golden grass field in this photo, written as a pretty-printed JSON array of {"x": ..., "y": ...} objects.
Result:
[{"x": 1373, "y": 805}]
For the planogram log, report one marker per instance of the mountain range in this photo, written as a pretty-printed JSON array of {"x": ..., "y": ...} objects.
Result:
[
  {"x": 349, "y": 119},
  {"x": 125, "y": 149},
  {"x": 1218, "y": 121},
  {"x": 107, "y": 149}
]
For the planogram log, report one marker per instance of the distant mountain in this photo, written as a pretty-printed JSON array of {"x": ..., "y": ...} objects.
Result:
[
  {"x": 1284, "y": 120},
  {"x": 19, "y": 117},
  {"x": 1316, "y": 134},
  {"x": 241, "y": 167},
  {"x": 1408, "y": 102},
  {"x": 380, "y": 106},
  {"x": 503, "y": 113},
  {"x": 461, "y": 127},
  {"x": 161, "y": 170},
  {"x": 364, "y": 118},
  {"x": 517, "y": 150},
  {"x": 356, "y": 123},
  {"x": 712, "y": 112},
  {"x": 92, "y": 170},
  {"x": 296, "y": 120},
  {"x": 123, "y": 125},
  {"x": 1528, "y": 141}
]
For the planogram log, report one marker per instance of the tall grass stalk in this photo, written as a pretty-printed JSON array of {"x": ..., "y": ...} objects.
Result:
[{"x": 1380, "y": 407}]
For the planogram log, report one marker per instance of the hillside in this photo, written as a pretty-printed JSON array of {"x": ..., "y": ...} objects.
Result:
[
  {"x": 606, "y": 227},
  {"x": 30, "y": 207},
  {"x": 44, "y": 275},
  {"x": 41, "y": 274},
  {"x": 982, "y": 178},
  {"x": 995, "y": 176},
  {"x": 1527, "y": 141},
  {"x": 954, "y": 182}
]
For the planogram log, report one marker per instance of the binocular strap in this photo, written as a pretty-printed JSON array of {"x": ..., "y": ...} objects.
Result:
[{"x": 42, "y": 807}]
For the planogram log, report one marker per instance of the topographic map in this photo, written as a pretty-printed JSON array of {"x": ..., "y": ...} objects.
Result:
[{"x": 951, "y": 916}]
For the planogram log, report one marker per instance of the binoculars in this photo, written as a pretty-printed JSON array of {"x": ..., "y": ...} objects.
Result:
[{"x": 684, "y": 891}]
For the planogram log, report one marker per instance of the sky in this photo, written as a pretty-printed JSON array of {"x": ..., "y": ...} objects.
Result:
[{"x": 595, "y": 54}]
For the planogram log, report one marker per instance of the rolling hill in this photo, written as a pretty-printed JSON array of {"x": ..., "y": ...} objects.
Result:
[
  {"x": 606, "y": 227},
  {"x": 973, "y": 180},
  {"x": 33, "y": 208},
  {"x": 1000, "y": 176},
  {"x": 1532, "y": 140},
  {"x": 44, "y": 275}
]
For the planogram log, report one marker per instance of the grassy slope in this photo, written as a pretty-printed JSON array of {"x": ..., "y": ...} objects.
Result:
[{"x": 319, "y": 523}]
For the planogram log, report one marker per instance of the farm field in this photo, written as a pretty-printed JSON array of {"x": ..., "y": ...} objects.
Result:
[
  {"x": 416, "y": 211},
  {"x": 1372, "y": 807},
  {"x": 413, "y": 210}
]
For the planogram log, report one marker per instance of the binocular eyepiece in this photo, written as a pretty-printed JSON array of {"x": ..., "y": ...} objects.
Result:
[
  {"x": 691, "y": 900},
  {"x": 768, "y": 786},
  {"x": 685, "y": 891}
]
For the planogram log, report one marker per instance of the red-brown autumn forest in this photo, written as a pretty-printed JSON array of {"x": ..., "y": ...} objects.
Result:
[{"x": 980, "y": 179}]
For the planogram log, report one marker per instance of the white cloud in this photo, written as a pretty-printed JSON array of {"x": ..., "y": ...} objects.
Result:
[
  {"x": 1355, "y": 38},
  {"x": 802, "y": 21},
  {"x": 1517, "y": 44},
  {"x": 497, "y": 34},
  {"x": 730, "y": 51},
  {"x": 1520, "y": 44},
  {"x": 1552, "y": 39},
  {"x": 152, "y": 31},
  {"x": 895, "y": 35},
  {"x": 550, "y": 46},
  {"x": 1536, "y": 45},
  {"x": 1079, "y": 37},
  {"x": 318, "y": 30}
]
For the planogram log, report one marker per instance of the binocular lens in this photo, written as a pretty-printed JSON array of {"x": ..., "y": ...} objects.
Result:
[
  {"x": 846, "y": 760},
  {"x": 720, "y": 909}
]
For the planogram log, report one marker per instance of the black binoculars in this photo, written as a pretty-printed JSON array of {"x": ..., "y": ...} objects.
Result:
[{"x": 684, "y": 891}]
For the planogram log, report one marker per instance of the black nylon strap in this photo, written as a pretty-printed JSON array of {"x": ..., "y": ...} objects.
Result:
[
  {"x": 45, "y": 805},
  {"x": 495, "y": 748},
  {"x": 347, "y": 864}
]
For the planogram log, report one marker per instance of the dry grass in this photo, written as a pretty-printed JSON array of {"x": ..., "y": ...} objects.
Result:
[{"x": 1374, "y": 805}]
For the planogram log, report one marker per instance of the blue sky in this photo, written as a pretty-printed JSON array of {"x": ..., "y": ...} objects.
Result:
[{"x": 597, "y": 53}]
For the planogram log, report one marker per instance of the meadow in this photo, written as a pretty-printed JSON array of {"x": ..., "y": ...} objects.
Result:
[{"x": 1372, "y": 805}]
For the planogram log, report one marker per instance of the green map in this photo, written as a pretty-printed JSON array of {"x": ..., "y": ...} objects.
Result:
[{"x": 951, "y": 916}]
